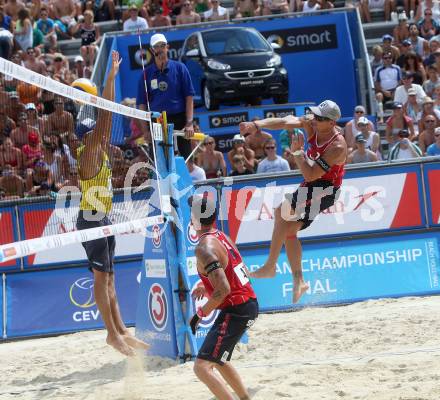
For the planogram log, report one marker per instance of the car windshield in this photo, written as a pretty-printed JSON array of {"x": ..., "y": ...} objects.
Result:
[{"x": 234, "y": 42}]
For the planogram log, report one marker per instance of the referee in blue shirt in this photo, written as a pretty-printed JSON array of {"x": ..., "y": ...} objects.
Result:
[{"x": 170, "y": 89}]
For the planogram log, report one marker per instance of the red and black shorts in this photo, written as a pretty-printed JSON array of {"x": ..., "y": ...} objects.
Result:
[
  {"x": 227, "y": 330},
  {"x": 310, "y": 200}
]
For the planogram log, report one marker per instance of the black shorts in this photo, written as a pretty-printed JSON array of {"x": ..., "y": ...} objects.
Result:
[
  {"x": 308, "y": 201},
  {"x": 227, "y": 330},
  {"x": 100, "y": 252}
]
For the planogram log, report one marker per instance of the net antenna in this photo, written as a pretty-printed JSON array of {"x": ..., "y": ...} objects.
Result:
[{"x": 144, "y": 75}]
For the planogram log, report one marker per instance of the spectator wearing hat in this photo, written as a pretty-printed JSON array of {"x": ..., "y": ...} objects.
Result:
[
  {"x": 361, "y": 154},
  {"x": 372, "y": 138},
  {"x": 272, "y": 162},
  {"x": 159, "y": 19},
  {"x": 135, "y": 23},
  {"x": 239, "y": 167},
  {"x": 32, "y": 151},
  {"x": 15, "y": 107},
  {"x": 401, "y": 93},
  {"x": 405, "y": 48},
  {"x": 351, "y": 129},
  {"x": 239, "y": 148},
  {"x": 427, "y": 109},
  {"x": 187, "y": 15},
  {"x": 388, "y": 47},
  {"x": 79, "y": 68},
  {"x": 432, "y": 81},
  {"x": 34, "y": 120},
  {"x": 396, "y": 123},
  {"x": 170, "y": 89},
  {"x": 401, "y": 30},
  {"x": 386, "y": 79},
  {"x": 426, "y": 137},
  {"x": 413, "y": 64},
  {"x": 434, "y": 148},
  {"x": 367, "y": 5},
  {"x": 419, "y": 45},
  {"x": 404, "y": 149},
  {"x": 428, "y": 26},
  {"x": 412, "y": 108}
]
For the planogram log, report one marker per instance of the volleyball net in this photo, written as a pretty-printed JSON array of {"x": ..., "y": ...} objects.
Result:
[{"x": 46, "y": 126}]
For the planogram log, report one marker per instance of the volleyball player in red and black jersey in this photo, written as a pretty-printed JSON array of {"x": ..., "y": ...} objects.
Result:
[
  {"x": 226, "y": 282},
  {"x": 322, "y": 167}
]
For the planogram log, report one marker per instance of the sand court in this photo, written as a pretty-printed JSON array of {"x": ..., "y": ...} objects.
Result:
[{"x": 385, "y": 349}]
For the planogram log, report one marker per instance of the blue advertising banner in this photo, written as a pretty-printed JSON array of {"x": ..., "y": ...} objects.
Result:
[
  {"x": 349, "y": 271},
  {"x": 304, "y": 42},
  {"x": 47, "y": 302}
]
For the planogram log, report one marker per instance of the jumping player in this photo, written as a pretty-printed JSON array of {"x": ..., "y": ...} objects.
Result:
[
  {"x": 225, "y": 279},
  {"x": 322, "y": 167},
  {"x": 96, "y": 203}
]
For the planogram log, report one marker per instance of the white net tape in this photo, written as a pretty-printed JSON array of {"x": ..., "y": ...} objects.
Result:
[{"x": 27, "y": 247}]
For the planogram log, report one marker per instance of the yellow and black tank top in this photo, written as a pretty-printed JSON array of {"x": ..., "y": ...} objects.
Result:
[{"x": 97, "y": 192}]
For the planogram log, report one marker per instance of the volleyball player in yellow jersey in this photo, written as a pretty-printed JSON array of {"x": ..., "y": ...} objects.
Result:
[{"x": 96, "y": 203}]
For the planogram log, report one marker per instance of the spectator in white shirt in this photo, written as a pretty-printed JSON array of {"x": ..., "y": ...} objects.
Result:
[
  {"x": 386, "y": 78},
  {"x": 135, "y": 23},
  {"x": 272, "y": 162},
  {"x": 401, "y": 94},
  {"x": 197, "y": 173},
  {"x": 404, "y": 149},
  {"x": 216, "y": 12}
]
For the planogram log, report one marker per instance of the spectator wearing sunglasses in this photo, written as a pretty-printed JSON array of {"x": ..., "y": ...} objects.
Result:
[
  {"x": 427, "y": 136},
  {"x": 401, "y": 93},
  {"x": 187, "y": 14},
  {"x": 387, "y": 79},
  {"x": 428, "y": 26},
  {"x": 272, "y": 162},
  {"x": 434, "y": 148},
  {"x": 351, "y": 129}
]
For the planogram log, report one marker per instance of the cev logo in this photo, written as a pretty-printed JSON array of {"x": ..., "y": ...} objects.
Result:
[
  {"x": 207, "y": 321},
  {"x": 142, "y": 54},
  {"x": 157, "y": 238},
  {"x": 192, "y": 234},
  {"x": 216, "y": 121},
  {"x": 158, "y": 306},
  {"x": 81, "y": 293}
]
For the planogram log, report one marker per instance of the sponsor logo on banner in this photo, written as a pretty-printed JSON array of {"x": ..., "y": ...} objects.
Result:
[
  {"x": 225, "y": 120},
  {"x": 207, "y": 321},
  {"x": 81, "y": 295},
  {"x": 279, "y": 113},
  {"x": 9, "y": 251},
  {"x": 136, "y": 55},
  {"x": 191, "y": 234},
  {"x": 307, "y": 38},
  {"x": 157, "y": 237},
  {"x": 155, "y": 268},
  {"x": 158, "y": 306}
]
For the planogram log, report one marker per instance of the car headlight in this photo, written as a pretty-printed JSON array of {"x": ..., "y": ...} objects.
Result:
[
  {"x": 218, "y": 65},
  {"x": 274, "y": 61}
]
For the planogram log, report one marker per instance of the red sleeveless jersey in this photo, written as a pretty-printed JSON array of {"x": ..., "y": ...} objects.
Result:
[
  {"x": 241, "y": 289},
  {"x": 335, "y": 174}
]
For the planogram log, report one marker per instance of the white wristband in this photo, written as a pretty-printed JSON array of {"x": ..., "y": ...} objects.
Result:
[{"x": 298, "y": 153}]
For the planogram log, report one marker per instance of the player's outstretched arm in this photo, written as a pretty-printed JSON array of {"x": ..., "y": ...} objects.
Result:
[
  {"x": 288, "y": 122},
  {"x": 102, "y": 132}
]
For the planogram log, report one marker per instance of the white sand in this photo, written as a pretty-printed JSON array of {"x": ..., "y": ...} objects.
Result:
[{"x": 379, "y": 350}]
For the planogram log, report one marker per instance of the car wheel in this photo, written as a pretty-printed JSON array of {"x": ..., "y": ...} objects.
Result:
[
  {"x": 281, "y": 99},
  {"x": 210, "y": 102}
]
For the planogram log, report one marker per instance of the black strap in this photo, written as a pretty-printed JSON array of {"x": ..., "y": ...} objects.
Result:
[
  {"x": 323, "y": 164},
  {"x": 212, "y": 267}
]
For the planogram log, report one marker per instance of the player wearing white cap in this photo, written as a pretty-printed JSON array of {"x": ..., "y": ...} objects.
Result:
[{"x": 322, "y": 167}]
